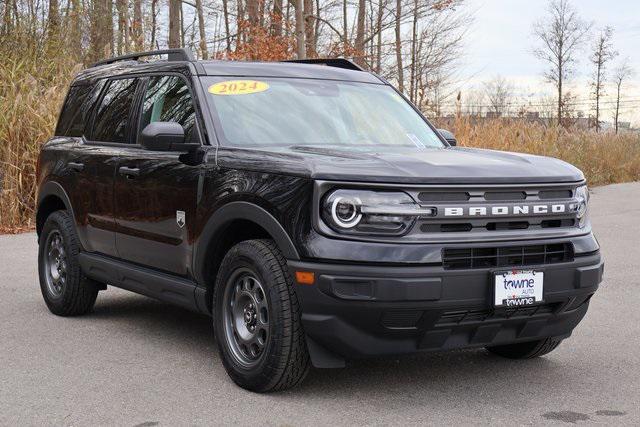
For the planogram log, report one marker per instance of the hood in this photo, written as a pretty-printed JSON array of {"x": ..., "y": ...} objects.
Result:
[{"x": 455, "y": 165}]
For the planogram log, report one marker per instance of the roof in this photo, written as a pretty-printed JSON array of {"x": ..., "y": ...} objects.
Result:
[
  {"x": 286, "y": 69},
  {"x": 181, "y": 60}
]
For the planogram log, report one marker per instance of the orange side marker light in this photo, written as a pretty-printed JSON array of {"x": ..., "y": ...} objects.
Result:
[{"x": 305, "y": 277}]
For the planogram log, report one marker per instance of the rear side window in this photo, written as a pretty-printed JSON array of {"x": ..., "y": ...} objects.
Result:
[
  {"x": 168, "y": 99},
  {"x": 112, "y": 120},
  {"x": 72, "y": 116}
]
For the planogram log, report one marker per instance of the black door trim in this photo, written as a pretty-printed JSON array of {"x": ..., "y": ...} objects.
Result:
[{"x": 144, "y": 281}]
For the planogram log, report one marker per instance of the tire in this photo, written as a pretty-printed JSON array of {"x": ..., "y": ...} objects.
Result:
[
  {"x": 66, "y": 291},
  {"x": 262, "y": 348},
  {"x": 526, "y": 350}
]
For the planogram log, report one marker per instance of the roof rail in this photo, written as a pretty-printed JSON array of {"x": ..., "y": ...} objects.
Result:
[
  {"x": 179, "y": 54},
  {"x": 330, "y": 62}
]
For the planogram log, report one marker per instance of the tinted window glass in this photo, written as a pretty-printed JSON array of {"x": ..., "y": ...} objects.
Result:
[
  {"x": 112, "y": 118},
  {"x": 167, "y": 99},
  {"x": 287, "y": 112},
  {"x": 71, "y": 122}
]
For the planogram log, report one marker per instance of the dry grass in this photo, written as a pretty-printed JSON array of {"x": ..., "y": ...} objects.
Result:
[
  {"x": 33, "y": 83},
  {"x": 604, "y": 158}
]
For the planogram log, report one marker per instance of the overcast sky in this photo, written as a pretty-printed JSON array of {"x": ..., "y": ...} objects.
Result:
[{"x": 501, "y": 41}]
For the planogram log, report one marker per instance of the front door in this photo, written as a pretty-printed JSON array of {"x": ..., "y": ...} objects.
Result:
[{"x": 155, "y": 192}]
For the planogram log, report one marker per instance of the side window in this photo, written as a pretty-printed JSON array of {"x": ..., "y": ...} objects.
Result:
[
  {"x": 71, "y": 122},
  {"x": 111, "y": 122},
  {"x": 167, "y": 99}
]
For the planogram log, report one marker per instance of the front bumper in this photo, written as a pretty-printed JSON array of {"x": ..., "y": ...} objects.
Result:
[{"x": 359, "y": 311}]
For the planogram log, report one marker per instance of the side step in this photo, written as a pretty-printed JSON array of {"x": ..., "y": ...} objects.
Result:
[{"x": 144, "y": 281}]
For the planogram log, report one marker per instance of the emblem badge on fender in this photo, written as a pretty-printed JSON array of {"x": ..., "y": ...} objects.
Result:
[{"x": 180, "y": 218}]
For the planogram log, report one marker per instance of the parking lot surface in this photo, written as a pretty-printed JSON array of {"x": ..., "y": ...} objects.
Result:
[{"x": 137, "y": 362}]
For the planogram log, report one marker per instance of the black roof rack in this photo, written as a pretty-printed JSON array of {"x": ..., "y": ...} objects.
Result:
[
  {"x": 330, "y": 62},
  {"x": 179, "y": 54}
]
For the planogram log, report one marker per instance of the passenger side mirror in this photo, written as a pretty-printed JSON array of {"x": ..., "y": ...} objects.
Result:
[
  {"x": 165, "y": 136},
  {"x": 451, "y": 139}
]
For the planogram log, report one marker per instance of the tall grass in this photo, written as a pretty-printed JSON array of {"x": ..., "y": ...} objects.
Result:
[
  {"x": 34, "y": 81},
  {"x": 604, "y": 158}
]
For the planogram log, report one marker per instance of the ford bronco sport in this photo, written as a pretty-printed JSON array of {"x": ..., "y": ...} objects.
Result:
[{"x": 311, "y": 210}]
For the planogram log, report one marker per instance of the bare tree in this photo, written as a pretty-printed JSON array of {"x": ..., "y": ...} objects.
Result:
[
  {"x": 201, "y": 31},
  {"x": 359, "y": 43},
  {"x": 399, "y": 46},
  {"x": 602, "y": 52},
  {"x": 136, "y": 26},
  {"x": 300, "y": 31},
  {"x": 561, "y": 35},
  {"x": 174, "y": 23},
  {"x": 122, "y": 7},
  {"x": 499, "y": 92},
  {"x": 620, "y": 76}
]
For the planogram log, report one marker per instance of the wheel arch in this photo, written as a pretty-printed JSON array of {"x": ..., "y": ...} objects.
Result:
[
  {"x": 229, "y": 225},
  {"x": 51, "y": 198}
]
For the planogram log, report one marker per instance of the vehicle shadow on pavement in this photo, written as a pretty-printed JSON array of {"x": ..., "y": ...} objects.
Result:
[{"x": 443, "y": 372}]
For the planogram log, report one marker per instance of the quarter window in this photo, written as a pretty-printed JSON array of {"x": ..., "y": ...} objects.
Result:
[
  {"x": 114, "y": 114},
  {"x": 168, "y": 99}
]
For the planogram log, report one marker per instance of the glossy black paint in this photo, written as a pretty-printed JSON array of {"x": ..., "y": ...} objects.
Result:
[{"x": 126, "y": 199}]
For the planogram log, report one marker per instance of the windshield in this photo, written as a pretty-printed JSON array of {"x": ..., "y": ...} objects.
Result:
[{"x": 290, "y": 112}]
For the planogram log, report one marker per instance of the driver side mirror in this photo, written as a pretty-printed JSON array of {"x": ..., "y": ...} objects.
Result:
[
  {"x": 451, "y": 139},
  {"x": 165, "y": 136}
]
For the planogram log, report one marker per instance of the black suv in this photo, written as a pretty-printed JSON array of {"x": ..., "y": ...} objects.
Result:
[{"x": 311, "y": 210}]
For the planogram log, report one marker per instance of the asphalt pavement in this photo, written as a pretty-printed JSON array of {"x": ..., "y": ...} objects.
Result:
[{"x": 135, "y": 361}]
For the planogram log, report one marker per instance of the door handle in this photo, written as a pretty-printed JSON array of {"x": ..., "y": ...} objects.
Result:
[
  {"x": 75, "y": 166},
  {"x": 128, "y": 172}
]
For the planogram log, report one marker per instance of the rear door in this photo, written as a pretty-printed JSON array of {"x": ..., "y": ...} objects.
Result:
[
  {"x": 155, "y": 192},
  {"x": 91, "y": 163}
]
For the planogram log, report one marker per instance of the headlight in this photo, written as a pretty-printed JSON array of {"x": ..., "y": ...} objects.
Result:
[
  {"x": 371, "y": 212},
  {"x": 582, "y": 207}
]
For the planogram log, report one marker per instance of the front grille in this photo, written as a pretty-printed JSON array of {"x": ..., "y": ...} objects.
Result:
[
  {"x": 459, "y": 317},
  {"x": 508, "y": 256}
]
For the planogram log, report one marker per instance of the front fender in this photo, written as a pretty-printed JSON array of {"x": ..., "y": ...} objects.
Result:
[{"x": 235, "y": 211}]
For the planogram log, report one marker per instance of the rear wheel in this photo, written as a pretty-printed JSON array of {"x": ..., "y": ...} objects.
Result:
[
  {"x": 257, "y": 319},
  {"x": 66, "y": 291},
  {"x": 526, "y": 350}
]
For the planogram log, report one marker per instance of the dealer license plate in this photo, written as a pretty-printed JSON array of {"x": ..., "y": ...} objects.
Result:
[{"x": 517, "y": 288}]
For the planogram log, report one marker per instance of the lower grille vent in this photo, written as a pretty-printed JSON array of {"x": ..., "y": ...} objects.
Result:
[
  {"x": 509, "y": 256},
  {"x": 471, "y": 316}
]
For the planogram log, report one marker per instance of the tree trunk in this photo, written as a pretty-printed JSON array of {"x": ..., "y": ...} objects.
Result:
[
  {"x": 225, "y": 12},
  {"x": 414, "y": 36},
  {"x": 359, "y": 43},
  {"x": 345, "y": 25},
  {"x": 75, "y": 30},
  {"x": 182, "y": 30},
  {"x": 308, "y": 28},
  {"x": 152, "y": 43},
  {"x": 276, "y": 23},
  {"x": 598, "y": 94},
  {"x": 300, "y": 45},
  {"x": 239, "y": 21},
  {"x": 560, "y": 96},
  {"x": 399, "y": 46},
  {"x": 174, "y": 23},
  {"x": 136, "y": 28},
  {"x": 122, "y": 8},
  {"x": 379, "y": 37},
  {"x": 617, "y": 114},
  {"x": 101, "y": 30},
  {"x": 201, "y": 31},
  {"x": 54, "y": 18}
]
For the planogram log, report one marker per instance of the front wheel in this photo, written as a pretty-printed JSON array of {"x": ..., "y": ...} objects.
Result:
[
  {"x": 526, "y": 350},
  {"x": 257, "y": 319},
  {"x": 66, "y": 291}
]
